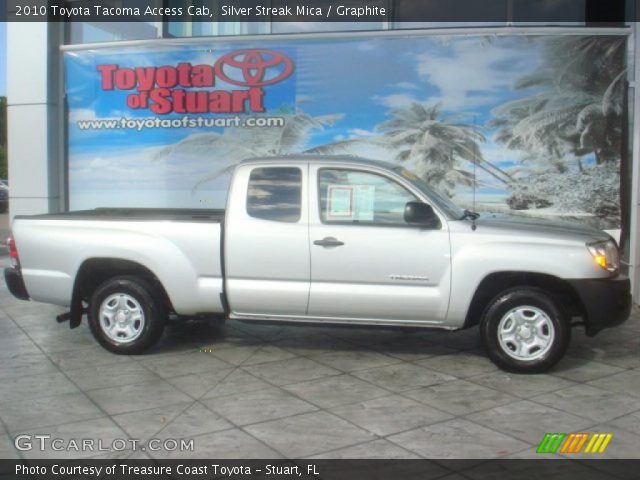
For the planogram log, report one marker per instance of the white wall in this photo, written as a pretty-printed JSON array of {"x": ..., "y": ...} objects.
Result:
[{"x": 33, "y": 118}]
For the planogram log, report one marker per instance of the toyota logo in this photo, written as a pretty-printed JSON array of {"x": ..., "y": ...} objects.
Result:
[{"x": 258, "y": 67}]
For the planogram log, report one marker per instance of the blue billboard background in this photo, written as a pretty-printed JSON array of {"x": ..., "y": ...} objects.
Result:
[{"x": 539, "y": 117}]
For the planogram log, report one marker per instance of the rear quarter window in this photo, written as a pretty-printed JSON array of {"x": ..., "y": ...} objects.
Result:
[{"x": 275, "y": 194}]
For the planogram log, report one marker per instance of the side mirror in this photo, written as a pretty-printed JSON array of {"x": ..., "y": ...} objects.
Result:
[{"x": 421, "y": 214}]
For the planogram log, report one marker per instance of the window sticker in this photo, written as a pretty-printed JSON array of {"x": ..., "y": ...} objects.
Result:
[
  {"x": 351, "y": 202},
  {"x": 340, "y": 202}
]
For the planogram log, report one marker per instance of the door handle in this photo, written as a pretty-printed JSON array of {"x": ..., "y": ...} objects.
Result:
[{"x": 328, "y": 242}]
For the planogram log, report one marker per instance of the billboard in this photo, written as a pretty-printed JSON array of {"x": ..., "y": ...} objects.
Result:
[{"x": 537, "y": 121}]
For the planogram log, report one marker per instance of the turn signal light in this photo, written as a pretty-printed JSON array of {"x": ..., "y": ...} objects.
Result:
[{"x": 601, "y": 260}]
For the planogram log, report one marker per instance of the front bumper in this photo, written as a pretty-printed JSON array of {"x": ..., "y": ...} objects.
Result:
[
  {"x": 15, "y": 283},
  {"x": 607, "y": 301}
]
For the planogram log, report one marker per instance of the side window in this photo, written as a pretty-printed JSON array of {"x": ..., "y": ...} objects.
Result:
[
  {"x": 275, "y": 194},
  {"x": 351, "y": 196}
]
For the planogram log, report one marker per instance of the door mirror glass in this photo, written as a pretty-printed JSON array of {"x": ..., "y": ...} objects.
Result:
[{"x": 421, "y": 214}]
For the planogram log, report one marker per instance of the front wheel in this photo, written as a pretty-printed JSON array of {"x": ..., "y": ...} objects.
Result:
[
  {"x": 126, "y": 315},
  {"x": 524, "y": 331}
]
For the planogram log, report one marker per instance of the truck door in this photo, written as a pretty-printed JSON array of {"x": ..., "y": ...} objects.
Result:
[
  {"x": 266, "y": 246},
  {"x": 366, "y": 261}
]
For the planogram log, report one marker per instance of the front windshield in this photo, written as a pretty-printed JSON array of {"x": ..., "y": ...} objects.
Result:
[{"x": 443, "y": 203}]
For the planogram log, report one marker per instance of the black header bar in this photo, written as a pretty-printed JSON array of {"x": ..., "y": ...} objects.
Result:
[
  {"x": 590, "y": 12},
  {"x": 125, "y": 469}
]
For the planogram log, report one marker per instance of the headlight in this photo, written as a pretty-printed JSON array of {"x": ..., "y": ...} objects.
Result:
[{"x": 605, "y": 254}]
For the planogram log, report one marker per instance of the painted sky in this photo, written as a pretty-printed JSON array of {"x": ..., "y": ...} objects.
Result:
[{"x": 361, "y": 80}]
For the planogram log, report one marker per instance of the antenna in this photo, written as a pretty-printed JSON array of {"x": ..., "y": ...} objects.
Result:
[{"x": 473, "y": 205}]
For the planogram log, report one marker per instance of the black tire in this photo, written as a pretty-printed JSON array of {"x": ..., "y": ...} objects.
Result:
[
  {"x": 152, "y": 306},
  {"x": 506, "y": 302}
]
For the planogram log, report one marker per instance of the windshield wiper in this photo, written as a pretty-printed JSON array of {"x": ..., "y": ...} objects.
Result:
[{"x": 469, "y": 214}]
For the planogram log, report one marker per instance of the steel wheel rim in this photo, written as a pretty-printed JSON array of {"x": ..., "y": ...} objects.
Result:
[
  {"x": 121, "y": 318},
  {"x": 526, "y": 333}
]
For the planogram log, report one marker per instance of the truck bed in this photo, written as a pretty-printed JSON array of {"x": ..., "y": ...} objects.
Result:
[{"x": 180, "y": 247}]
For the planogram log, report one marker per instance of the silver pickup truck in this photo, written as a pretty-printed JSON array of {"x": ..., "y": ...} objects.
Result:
[{"x": 325, "y": 240}]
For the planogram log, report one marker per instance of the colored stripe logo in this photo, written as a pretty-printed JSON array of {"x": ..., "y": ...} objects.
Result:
[{"x": 574, "y": 442}]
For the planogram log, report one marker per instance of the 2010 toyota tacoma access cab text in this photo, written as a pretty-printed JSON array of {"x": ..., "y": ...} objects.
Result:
[{"x": 325, "y": 240}]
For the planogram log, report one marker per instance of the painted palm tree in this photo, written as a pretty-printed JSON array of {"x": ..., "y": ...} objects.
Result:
[
  {"x": 438, "y": 145},
  {"x": 576, "y": 105},
  {"x": 237, "y": 143}
]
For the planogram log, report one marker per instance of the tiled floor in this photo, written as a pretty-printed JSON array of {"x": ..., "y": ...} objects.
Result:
[{"x": 270, "y": 391}]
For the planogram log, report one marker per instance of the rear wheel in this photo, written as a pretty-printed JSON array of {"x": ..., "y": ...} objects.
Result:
[
  {"x": 524, "y": 331},
  {"x": 126, "y": 315}
]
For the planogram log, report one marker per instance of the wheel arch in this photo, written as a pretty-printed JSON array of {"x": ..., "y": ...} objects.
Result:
[
  {"x": 495, "y": 283},
  {"x": 95, "y": 271}
]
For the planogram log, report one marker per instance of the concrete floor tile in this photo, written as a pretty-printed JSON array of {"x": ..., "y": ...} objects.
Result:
[
  {"x": 313, "y": 344},
  {"x": 460, "y": 397},
  {"x": 630, "y": 422},
  {"x": 375, "y": 450},
  {"x": 63, "y": 340},
  {"x": 169, "y": 346},
  {"x": 413, "y": 348},
  {"x": 195, "y": 420},
  {"x": 94, "y": 356},
  {"x": 369, "y": 337},
  {"x": 97, "y": 430},
  {"x": 308, "y": 434},
  {"x": 184, "y": 364},
  {"x": 258, "y": 406},
  {"x": 25, "y": 365},
  {"x": 626, "y": 382},
  {"x": 403, "y": 376},
  {"x": 291, "y": 371},
  {"x": 593, "y": 403},
  {"x": 219, "y": 383},
  {"x": 337, "y": 390},
  {"x": 581, "y": 370},
  {"x": 355, "y": 359},
  {"x": 114, "y": 375},
  {"x": 14, "y": 345},
  {"x": 31, "y": 386},
  {"x": 252, "y": 355},
  {"x": 618, "y": 354},
  {"x": 7, "y": 449},
  {"x": 529, "y": 421},
  {"x": 227, "y": 444},
  {"x": 458, "y": 340},
  {"x": 391, "y": 414},
  {"x": 140, "y": 396},
  {"x": 461, "y": 364},
  {"x": 457, "y": 438},
  {"x": 531, "y": 453},
  {"x": 35, "y": 412},
  {"x": 261, "y": 330},
  {"x": 144, "y": 424},
  {"x": 523, "y": 386}
]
